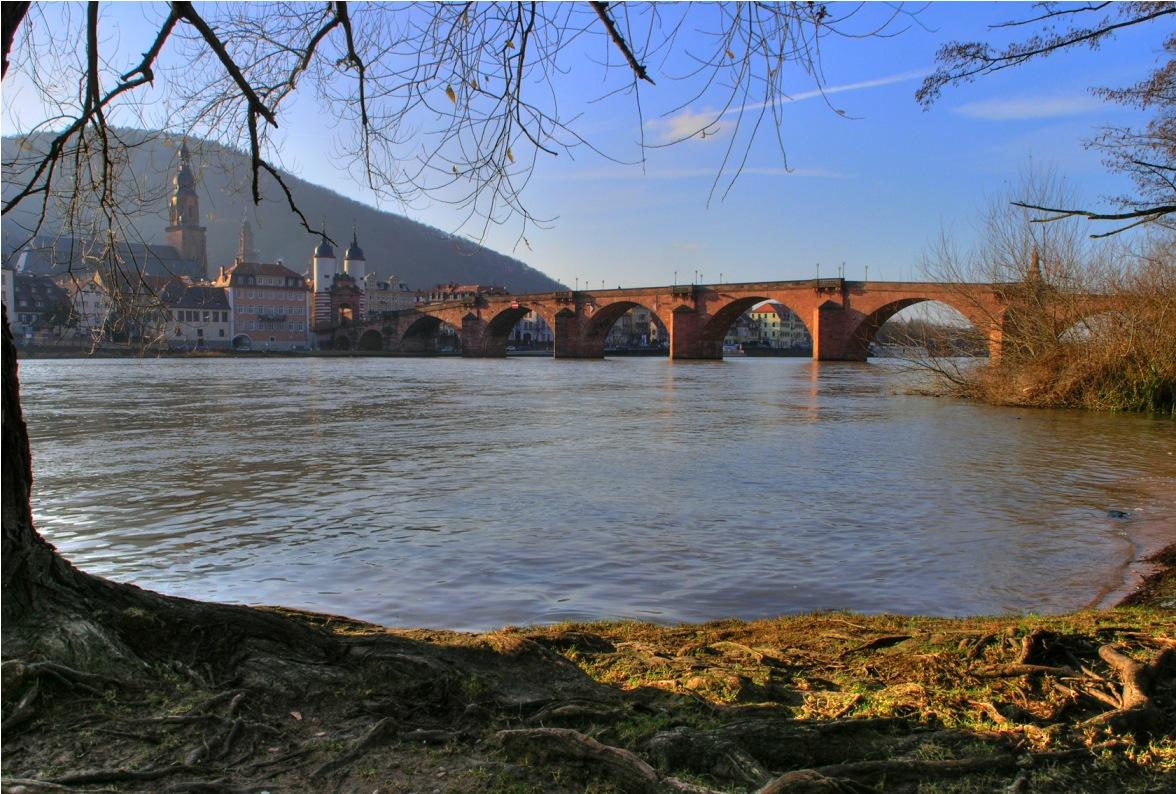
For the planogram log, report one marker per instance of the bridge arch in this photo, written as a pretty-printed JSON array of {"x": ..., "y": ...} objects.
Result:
[
  {"x": 866, "y": 330},
  {"x": 370, "y": 340},
  {"x": 498, "y": 329},
  {"x": 423, "y": 335},
  {"x": 242, "y": 342},
  {"x": 719, "y": 324},
  {"x": 601, "y": 322}
]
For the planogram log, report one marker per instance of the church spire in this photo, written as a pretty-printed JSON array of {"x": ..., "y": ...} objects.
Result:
[
  {"x": 184, "y": 232},
  {"x": 245, "y": 250},
  {"x": 353, "y": 252}
]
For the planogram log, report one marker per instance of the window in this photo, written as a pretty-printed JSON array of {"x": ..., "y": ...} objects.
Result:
[
  {"x": 205, "y": 316},
  {"x": 248, "y": 293},
  {"x": 222, "y": 332}
]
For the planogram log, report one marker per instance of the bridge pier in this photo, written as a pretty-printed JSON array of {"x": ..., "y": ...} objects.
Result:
[
  {"x": 475, "y": 342},
  {"x": 571, "y": 338},
  {"x": 687, "y": 341},
  {"x": 833, "y": 328}
]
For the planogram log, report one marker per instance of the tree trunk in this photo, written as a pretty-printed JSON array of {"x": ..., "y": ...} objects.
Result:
[
  {"x": 53, "y": 610},
  {"x": 31, "y": 567}
]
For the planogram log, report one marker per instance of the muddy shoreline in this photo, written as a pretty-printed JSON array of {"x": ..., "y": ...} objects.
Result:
[{"x": 1157, "y": 589}]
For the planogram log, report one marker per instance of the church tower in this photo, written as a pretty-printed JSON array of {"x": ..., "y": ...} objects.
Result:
[
  {"x": 184, "y": 232},
  {"x": 245, "y": 250}
]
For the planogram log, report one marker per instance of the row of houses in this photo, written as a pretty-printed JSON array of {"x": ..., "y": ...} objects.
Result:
[
  {"x": 168, "y": 311},
  {"x": 71, "y": 290},
  {"x": 769, "y": 325}
]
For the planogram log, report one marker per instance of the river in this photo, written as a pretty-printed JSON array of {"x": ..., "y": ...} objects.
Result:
[{"x": 470, "y": 494}]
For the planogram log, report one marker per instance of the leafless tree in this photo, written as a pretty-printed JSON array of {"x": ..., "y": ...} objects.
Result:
[
  {"x": 1085, "y": 322},
  {"x": 1147, "y": 155}
]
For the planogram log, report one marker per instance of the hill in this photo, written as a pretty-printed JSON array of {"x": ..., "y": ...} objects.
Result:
[{"x": 393, "y": 244}]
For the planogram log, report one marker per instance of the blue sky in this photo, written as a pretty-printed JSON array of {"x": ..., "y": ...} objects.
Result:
[{"x": 871, "y": 189}]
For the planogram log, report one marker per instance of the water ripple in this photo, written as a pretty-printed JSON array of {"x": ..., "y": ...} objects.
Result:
[{"x": 471, "y": 494}]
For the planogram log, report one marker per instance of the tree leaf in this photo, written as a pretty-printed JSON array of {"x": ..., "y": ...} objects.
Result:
[
  {"x": 449, "y": 92},
  {"x": 510, "y": 44},
  {"x": 730, "y": 55},
  {"x": 509, "y": 154}
]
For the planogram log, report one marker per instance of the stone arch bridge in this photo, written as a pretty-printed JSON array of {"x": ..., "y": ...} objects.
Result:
[{"x": 841, "y": 316}]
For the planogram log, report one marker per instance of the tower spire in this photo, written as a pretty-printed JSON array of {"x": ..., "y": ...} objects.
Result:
[
  {"x": 246, "y": 251},
  {"x": 184, "y": 232}
]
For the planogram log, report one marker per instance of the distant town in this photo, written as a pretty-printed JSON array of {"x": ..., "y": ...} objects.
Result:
[{"x": 68, "y": 294}]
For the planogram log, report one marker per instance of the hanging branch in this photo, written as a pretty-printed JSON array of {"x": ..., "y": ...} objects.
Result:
[
  {"x": 1143, "y": 216},
  {"x": 601, "y": 10}
]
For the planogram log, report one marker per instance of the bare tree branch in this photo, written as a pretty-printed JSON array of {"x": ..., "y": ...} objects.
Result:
[{"x": 601, "y": 10}]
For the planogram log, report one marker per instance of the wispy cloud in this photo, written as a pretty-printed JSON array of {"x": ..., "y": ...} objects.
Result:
[
  {"x": 685, "y": 124},
  {"x": 689, "y": 123},
  {"x": 1029, "y": 107},
  {"x": 878, "y": 82}
]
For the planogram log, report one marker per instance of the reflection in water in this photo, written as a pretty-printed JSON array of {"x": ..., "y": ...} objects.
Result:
[{"x": 469, "y": 494}]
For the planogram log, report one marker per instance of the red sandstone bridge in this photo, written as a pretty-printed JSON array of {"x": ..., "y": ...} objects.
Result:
[{"x": 842, "y": 316}]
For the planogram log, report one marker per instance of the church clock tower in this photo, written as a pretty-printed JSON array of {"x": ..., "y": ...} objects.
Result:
[{"x": 184, "y": 232}]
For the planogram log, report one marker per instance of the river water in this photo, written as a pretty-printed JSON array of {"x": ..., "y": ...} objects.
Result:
[{"x": 470, "y": 494}]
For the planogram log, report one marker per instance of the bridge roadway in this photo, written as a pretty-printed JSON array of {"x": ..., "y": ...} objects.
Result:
[{"x": 842, "y": 316}]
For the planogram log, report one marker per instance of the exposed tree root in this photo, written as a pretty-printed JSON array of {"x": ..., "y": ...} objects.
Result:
[
  {"x": 381, "y": 732},
  {"x": 1136, "y": 712},
  {"x": 893, "y": 771},
  {"x": 568, "y": 746},
  {"x": 119, "y": 775},
  {"x": 16, "y": 785}
]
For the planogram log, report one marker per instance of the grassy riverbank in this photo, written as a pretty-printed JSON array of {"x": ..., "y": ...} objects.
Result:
[{"x": 1084, "y": 702}]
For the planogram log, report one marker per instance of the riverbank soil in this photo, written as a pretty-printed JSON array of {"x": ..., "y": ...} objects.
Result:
[
  {"x": 828, "y": 702},
  {"x": 1158, "y": 589}
]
